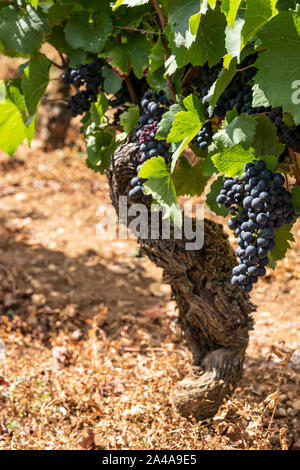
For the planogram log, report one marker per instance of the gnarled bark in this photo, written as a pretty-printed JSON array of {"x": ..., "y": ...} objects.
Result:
[{"x": 214, "y": 315}]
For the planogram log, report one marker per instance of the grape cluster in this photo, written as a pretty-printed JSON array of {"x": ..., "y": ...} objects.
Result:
[
  {"x": 289, "y": 135},
  {"x": 259, "y": 203},
  {"x": 237, "y": 94},
  {"x": 153, "y": 106},
  {"x": 88, "y": 76},
  {"x": 204, "y": 137}
]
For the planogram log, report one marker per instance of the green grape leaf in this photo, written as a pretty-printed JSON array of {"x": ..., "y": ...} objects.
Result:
[
  {"x": 24, "y": 34},
  {"x": 100, "y": 147},
  {"x": 277, "y": 68},
  {"x": 166, "y": 122},
  {"x": 233, "y": 37},
  {"x": 231, "y": 161},
  {"x": 209, "y": 168},
  {"x": 130, "y": 118},
  {"x": 270, "y": 161},
  {"x": 112, "y": 82},
  {"x": 134, "y": 3},
  {"x": 35, "y": 81},
  {"x": 296, "y": 199},
  {"x": 209, "y": 44},
  {"x": 179, "y": 14},
  {"x": 258, "y": 13},
  {"x": 58, "y": 40},
  {"x": 12, "y": 127},
  {"x": 283, "y": 236},
  {"x": 135, "y": 52},
  {"x": 98, "y": 110},
  {"x": 155, "y": 167},
  {"x": 58, "y": 13},
  {"x": 170, "y": 66},
  {"x": 156, "y": 57},
  {"x": 120, "y": 56},
  {"x": 230, "y": 8},
  {"x": 239, "y": 131},
  {"x": 187, "y": 123},
  {"x": 223, "y": 80},
  {"x": 258, "y": 97},
  {"x": 118, "y": 4},
  {"x": 265, "y": 140},
  {"x": 140, "y": 48},
  {"x": 91, "y": 36},
  {"x": 189, "y": 180},
  {"x": 212, "y": 196},
  {"x": 185, "y": 126},
  {"x": 160, "y": 185}
]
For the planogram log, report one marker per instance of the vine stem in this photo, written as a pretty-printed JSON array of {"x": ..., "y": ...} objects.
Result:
[
  {"x": 131, "y": 90},
  {"x": 190, "y": 74},
  {"x": 245, "y": 68},
  {"x": 294, "y": 163},
  {"x": 143, "y": 31},
  {"x": 160, "y": 15},
  {"x": 62, "y": 66},
  {"x": 54, "y": 100},
  {"x": 162, "y": 21}
]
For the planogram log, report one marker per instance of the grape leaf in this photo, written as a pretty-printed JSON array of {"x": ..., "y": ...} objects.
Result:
[
  {"x": 179, "y": 14},
  {"x": 239, "y": 131},
  {"x": 277, "y": 69},
  {"x": 166, "y": 122},
  {"x": 112, "y": 82},
  {"x": 187, "y": 123},
  {"x": 212, "y": 196},
  {"x": 265, "y": 140},
  {"x": 134, "y": 3},
  {"x": 230, "y": 8},
  {"x": 170, "y": 66},
  {"x": 209, "y": 44},
  {"x": 231, "y": 161},
  {"x": 58, "y": 40},
  {"x": 35, "y": 81},
  {"x": 120, "y": 56},
  {"x": 12, "y": 127},
  {"x": 100, "y": 146},
  {"x": 156, "y": 58},
  {"x": 223, "y": 80},
  {"x": 189, "y": 180},
  {"x": 58, "y": 13},
  {"x": 155, "y": 167},
  {"x": 258, "y": 13},
  {"x": 160, "y": 185},
  {"x": 283, "y": 236},
  {"x": 129, "y": 118},
  {"x": 296, "y": 199},
  {"x": 135, "y": 52},
  {"x": 140, "y": 48},
  {"x": 91, "y": 36},
  {"x": 271, "y": 161},
  {"x": 98, "y": 110},
  {"x": 208, "y": 167},
  {"x": 258, "y": 97},
  {"x": 23, "y": 34},
  {"x": 233, "y": 37}
]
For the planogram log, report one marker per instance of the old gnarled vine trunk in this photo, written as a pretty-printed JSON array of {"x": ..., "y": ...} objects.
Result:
[{"x": 215, "y": 316}]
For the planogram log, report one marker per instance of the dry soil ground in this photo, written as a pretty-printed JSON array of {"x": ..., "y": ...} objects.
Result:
[{"x": 91, "y": 345}]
